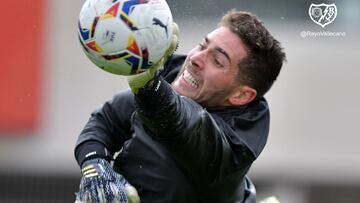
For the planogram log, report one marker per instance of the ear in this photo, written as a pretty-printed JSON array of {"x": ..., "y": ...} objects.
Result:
[{"x": 242, "y": 95}]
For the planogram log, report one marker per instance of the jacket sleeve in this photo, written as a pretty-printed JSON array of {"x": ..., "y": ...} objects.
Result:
[
  {"x": 186, "y": 129},
  {"x": 107, "y": 129}
]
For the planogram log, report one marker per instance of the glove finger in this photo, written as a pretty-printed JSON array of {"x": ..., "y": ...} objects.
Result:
[
  {"x": 173, "y": 46},
  {"x": 82, "y": 189},
  {"x": 78, "y": 198},
  {"x": 174, "y": 41},
  {"x": 176, "y": 30},
  {"x": 115, "y": 193},
  {"x": 118, "y": 192},
  {"x": 101, "y": 194},
  {"x": 132, "y": 194},
  {"x": 87, "y": 197},
  {"x": 91, "y": 190}
]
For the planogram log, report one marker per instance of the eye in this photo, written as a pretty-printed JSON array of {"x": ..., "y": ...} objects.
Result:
[
  {"x": 218, "y": 62},
  {"x": 202, "y": 46}
]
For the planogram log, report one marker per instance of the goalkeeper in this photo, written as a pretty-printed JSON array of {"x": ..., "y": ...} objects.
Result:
[{"x": 190, "y": 127}]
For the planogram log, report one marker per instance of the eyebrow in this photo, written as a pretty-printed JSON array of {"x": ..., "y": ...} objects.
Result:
[{"x": 219, "y": 49}]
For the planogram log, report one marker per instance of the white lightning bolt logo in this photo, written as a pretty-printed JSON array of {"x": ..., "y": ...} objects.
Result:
[{"x": 325, "y": 12}]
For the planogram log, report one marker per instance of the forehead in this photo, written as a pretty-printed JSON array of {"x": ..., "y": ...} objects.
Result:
[{"x": 224, "y": 38}]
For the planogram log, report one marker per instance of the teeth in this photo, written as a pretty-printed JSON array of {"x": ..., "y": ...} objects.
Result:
[{"x": 190, "y": 79}]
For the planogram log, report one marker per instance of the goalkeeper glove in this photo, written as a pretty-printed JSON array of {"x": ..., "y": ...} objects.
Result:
[
  {"x": 140, "y": 80},
  {"x": 101, "y": 184}
]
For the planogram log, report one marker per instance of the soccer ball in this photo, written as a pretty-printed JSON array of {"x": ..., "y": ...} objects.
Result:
[{"x": 125, "y": 37}]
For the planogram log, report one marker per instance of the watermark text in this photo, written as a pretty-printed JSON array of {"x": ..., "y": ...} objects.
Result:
[{"x": 312, "y": 34}]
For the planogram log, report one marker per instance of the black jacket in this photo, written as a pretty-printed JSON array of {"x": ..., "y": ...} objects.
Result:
[{"x": 173, "y": 150}]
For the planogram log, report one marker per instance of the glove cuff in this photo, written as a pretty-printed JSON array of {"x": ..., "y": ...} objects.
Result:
[
  {"x": 91, "y": 150},
  {"x": 93, "y": 161},
  {"x": 136, "y": 82}
]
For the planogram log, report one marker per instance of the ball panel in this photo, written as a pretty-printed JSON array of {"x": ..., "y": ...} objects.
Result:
[
  {"x": 128, "y": 62},
  {"x": 112, "y": 35},
  {"x": 125, "y": 37},
  {"x": 155, "y": 29}
]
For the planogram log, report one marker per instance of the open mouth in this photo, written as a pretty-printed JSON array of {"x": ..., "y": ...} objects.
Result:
[{"x": 190, "y": 79}]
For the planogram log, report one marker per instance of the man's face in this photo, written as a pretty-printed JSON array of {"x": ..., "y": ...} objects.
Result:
[{"x": 209, "y": 73}]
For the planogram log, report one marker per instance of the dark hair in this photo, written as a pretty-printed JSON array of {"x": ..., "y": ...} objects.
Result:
[{"x": 265, "y": 55}]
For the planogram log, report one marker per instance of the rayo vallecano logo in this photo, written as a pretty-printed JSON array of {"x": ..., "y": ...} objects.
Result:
[{"x": 322, "y": 14}]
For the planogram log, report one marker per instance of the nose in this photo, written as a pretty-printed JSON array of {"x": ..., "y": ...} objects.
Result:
[{"x": 198, "y": 59}]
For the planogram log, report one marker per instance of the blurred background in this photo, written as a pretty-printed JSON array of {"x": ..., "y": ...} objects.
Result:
[{"x": 49, "y": 88}]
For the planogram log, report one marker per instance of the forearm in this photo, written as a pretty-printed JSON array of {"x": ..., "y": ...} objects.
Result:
[
  {"x": 160, "y": 109},
  {"x": 185, "y": 128},
  {"x": 107, "y": 129}
]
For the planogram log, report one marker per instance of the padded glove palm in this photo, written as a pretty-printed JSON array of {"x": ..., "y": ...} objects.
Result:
[{"x": 140, "y": 80}]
